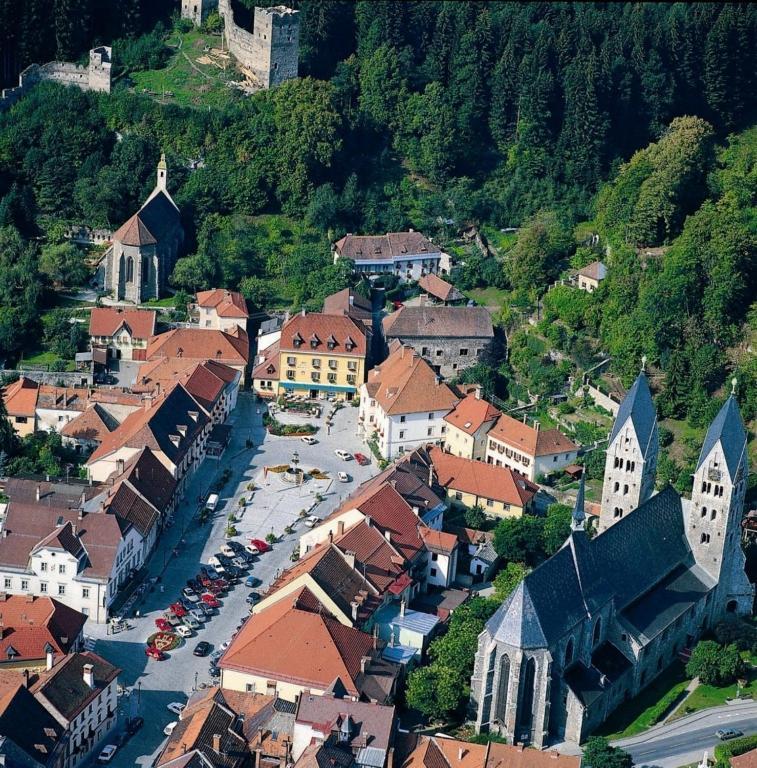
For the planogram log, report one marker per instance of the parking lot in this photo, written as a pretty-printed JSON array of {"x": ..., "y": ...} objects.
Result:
[{"x": 271, "y": 507}]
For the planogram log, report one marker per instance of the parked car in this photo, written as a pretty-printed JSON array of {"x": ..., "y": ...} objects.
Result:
[
  {"x": 227, "y": 550},
  {"x": 248, "y": 557},
  {"x": 240, "y": 562},
  {"x": 252, "y": 598},
  {"x": 209, "y": 572},
  {"x": 190, "y": 621},
  {"x": 107, "y": 753},
  {"x": 343, "y": 455},
  {"x": 154, "y": 653},
  {"x": 168, "y": 730},
  {"x": 343, "y": 477},
  {"x": 202, "y": 648},
  {"x": 178, "y": 609},
  {"x": 252, "y": 581},
  {"x": 215, "y": 656},
  {"x": 198, "y": 614},
  {"x": 212, "y": 502},
  {"x": 215, "y": 561},
  {"x": 163, "y": 625},
  {"x": 235, "y": 545},
  {"x": 308, "y": 440},
  {"x": 194, "y": 584},
  {"x": 224, "y": 645},
  {"x": 133, "y": 725},
  {"x": 176, "y": 707},
  {"x": 262, "y": 546},
  {"x": 183, "y": 630},
  {"x": 211, "y": 601},
  {"x": 725, "y": 734},
  {"x": 362, "y": 459},
  {"x": 251, "y": 550},
  {"x": 214, "y": 671},
  {"x": 311, "y": 521},
  {"x": 190, "y": 594}
]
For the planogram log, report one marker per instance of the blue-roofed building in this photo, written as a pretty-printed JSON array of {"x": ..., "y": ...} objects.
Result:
[
  {"x": 599, "y": 620},
  {"x": 631, "y": 462},
  {"x": 399, "y": 625}
]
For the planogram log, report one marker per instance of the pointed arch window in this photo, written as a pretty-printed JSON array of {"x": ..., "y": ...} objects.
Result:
[
  {"x": 130, "y": 270},
  {"x": 568, "y": 652},
  {"x": 597, "y": 634}
]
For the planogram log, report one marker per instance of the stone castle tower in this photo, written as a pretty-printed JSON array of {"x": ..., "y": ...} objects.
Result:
[
  {"x": 717, "y": 504},
  {"x": 197, "y": 10},
  {"x": 631, "y": 461}
]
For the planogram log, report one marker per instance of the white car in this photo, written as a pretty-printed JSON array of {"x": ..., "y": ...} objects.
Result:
[
  {"x": 252, "y": 549},
  {"x": 312, "y": 521},
  {"x": 343, "y": 477},
  {"x": 228, "y": 551},
  {"x": 184, "y": 631},
  {"x": 107, "y": 754},
  {"x": 168, "y": 730},
  {"x": 343, "y": 455},
  {"x": 309, "y": 440},
  {"x": 176, "y": 707},
  {"x": 224, "y": 645}
]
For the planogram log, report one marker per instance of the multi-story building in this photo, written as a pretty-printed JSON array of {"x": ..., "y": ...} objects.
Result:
[
  {"x": 20, "y": 398},
  {"x": 220, "y": 310},
  {"x": 468, "y": 425},
  {"x": 555, "y": 663},
  {"x": 230, "y": 347},
  {"x": 407, "y": 255},
  {"x": 124, "y": 333},
  {"x": 529, "y": 451},
  {"x": 450, "y": 339},
  {"x": 403, "y": 404},
  {"x": 321, "y": 355}
]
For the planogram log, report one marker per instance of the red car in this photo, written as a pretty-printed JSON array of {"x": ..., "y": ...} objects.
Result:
[
  {"x": 260, "y": 545},
  {"x": 362, "y": 459},
  {"x": 153, "y": 653},
  {"x": 205, "y": 581},
  {"x": 178, "y": 609},
  {"x": 163, "y": 625},
  {"x": 210, "y": 600}
]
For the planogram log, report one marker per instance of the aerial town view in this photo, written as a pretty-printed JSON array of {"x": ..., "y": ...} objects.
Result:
[{"x": 378, "y": 384}]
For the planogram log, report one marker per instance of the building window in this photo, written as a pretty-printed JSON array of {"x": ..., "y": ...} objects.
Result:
[
  {"x": 458, "y": 496},
  {"x": 316, "y": 362},
  {"x": 292, "y": 361},
  {"x": 315, "y": 376},
  {"x": 21, "y": 419},
  {"x": 62, "y": 568},
  {"x": 24, "y": 584},
  {"x": 43, "y": 566},
  {"x": 333, "y": 364},
  {"x": 463, "y": 352},
  {"x": 704, "y": 538},
  {"x": 430, "y": 432},
  {"x": 597, "y": 631},
  {"x": 85, "y": 593},
  {"x": 433, "y": 572},
  {"x": 332, "y": 378},
  {"x": 351, "y": 365},
  {"x": 290, "y": 375},
  {"x": 490, "y": 502},
  {"x": 8, "y": 583},
  {"x": 402, "y": 434},
  {"x": 430, "y": 416},
  {"x": 704, "y": 511},
  {"x": 439, "y": 352},
  {"x": 43, "y": 587},
  {"x": 61, "y": 589},
  {"x": 402, "y": 419},
  {"x": 424, "y": 351},
  {"x": 351, "y": 379},
  {"x": 434, "y": 556}
]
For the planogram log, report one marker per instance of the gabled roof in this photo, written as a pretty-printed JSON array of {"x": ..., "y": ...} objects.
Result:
[
  {"x": 226, "y": 303},
  {"x": 517, "y": 622},
  {"x": 92, "y": 424},
  {"x": 405, "y": 383},
  {"x": 393, "y": 245},
  {"x": 21, "y": 397},
  {"x": 149, "y": 477},
  {"x": 107, "y": 321},
  {"x": 64, "y": 539},
  {"x": 349, "y": 302},
  {"x": 62, "y": 398},
  {"x": 160, "y": 214},
  {"x": 471, "y": 413},
  {"x": 325, "y": 334},
  {"x": 429, "y": 322},
  {"x": 594, "y": 271},
  {"x": 297, "y": 641},
  {"x": 534, "y": 442},
  {"x": 481, "y": 479},
  {"x": 727, "y": 429},
  {"x": 438, "y": 541},
  {"x": 267, "y": 367},
  {"x": 441, "y": 289},
  {"x": 229, "y": 347},
  {"x": 435, "y": 752},
  {"x": 638, "y": 406},
  {"x": 134, "y": 231}
]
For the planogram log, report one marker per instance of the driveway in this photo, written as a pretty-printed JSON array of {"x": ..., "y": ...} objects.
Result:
[{"x": 155, "y": 684}]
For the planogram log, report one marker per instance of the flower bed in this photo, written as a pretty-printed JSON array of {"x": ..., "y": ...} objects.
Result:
[
  {"x": 278, "y": 429},
  {"x": 164, "y": 641}
]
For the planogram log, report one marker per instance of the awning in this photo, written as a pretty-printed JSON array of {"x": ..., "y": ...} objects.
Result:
[{"x": 316, "y": 385}]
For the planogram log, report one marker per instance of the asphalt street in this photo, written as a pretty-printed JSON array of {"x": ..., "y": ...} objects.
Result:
[
  {"x": 684, "y": 741},
  {"x": 155, "y": 684}
]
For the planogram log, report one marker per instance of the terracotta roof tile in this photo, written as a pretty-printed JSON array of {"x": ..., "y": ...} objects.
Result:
[
  {"x": 481, "y": 479},
  {"x": 393, "y": 245},
  {"x": 471, "y": 413},
  {"x": 231, "y": 348},
  {"x": 20, "y": 397},
  {"x": 439, "y": 322},
  {"x": 406, "y": 383},
  {"x": 92, "y": 424},
  {"x": 107, "y": 321},
  {"x": 150, "y": 478},
  {"x": 267, "y": 367},
  {"x": 438, "y": 541},
  {"x": 344, "y": 335},
  {"x": 62, "y": 398},
  {"x": 134, "y": 231},
  {"x": 226, "y": 303},
  {"x": 443, "y": 290},
  {"x": 507, "y": 756},
  {"x": 534, "y": 442}
]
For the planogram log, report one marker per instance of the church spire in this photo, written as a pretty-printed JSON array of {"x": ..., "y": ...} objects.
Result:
[
  {"x": 162, "y": 173},
  {"x": 578, "y": 521}
]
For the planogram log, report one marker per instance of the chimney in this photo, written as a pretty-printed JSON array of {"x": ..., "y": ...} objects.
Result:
[
  {"x": 478, "y": 391},
  {"x": 80, "y": 515},
  {"x": 416, "y": 511},
  {"x": 217, "y": 743},
  {"x": 352, "y": 300},
  {"x": 303, "y": 312},
  {"x": 402, "y": 607},
  {"x": 354, "y": 605},
  {"x": 120, "y": 466},
  {"x": 331, "y": 536},
  {"x": 38, "y": 494},
  {"x": 83, "y": 498},
  {"x": 26, "y": 678},
  {"x": 537, "y": 425},
  {"x": 89, "y": 675},
  {"x": 461, "y": 753},
  {"x": 364, "y": 663},
  {"x": 349, "y": 558},
  {"x": 339, "y": 527},
  {"x": 49, "y": 660},
  {"x": 388, "y": 536},
  {"x": 368, "y": 521},
  {"x": 30, "y": 598}
]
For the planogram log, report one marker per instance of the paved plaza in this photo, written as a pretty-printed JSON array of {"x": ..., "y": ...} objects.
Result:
[{"x": 270, "y": 508}]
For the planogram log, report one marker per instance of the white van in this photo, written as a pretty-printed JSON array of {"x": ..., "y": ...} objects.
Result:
[{"x": 212, "y": 502}]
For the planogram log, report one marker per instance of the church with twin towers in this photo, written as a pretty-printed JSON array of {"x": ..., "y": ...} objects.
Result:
[{"x": 597, "y": 622}]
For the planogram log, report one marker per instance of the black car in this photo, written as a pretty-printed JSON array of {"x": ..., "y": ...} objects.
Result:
[
  {"x": 202, "y": 648},
  {"x": 235, "y": 545},
  {"x": 194, "y": 585},
  {"x": 214, "y": 671},
  {"x": 252, "y": 598},
  {"x": 133, "y": 725}
]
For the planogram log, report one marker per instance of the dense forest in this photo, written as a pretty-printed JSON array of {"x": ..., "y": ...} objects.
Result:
[{"x": 632, "y": 118}]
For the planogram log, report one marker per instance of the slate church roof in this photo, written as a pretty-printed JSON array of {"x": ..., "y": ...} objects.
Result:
[
  {"x": 624, "y": 564},
  {"x": 637, "y": 406},
  {"x": 728, "y": 429}
]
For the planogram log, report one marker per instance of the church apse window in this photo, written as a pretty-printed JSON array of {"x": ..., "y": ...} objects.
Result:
[
  {"x": 704, "y": 538},
  {"x": 504, "y": 681},
  {"x": 130, "y": 270},
  {"x": 488, "y": 689},
  {"x": 704, "y": 511},
  {"x": 713, "y": 514},
  {"x": 145, "y": 270}
]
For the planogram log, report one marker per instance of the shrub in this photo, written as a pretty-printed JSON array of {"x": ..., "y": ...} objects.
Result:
[
  {"x": 723, "y": 752},
  {"x": 231, "y": 531},
  {"x": 271, "y": 538}
]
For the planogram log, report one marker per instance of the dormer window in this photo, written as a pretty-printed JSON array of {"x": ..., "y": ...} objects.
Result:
[
  {"x": 11, "y": 653},
  {"x": 175, "y": 439},
  {"x": 179, "y": 352},
  {"x": 297, "y": 340},
  {"x": 314, "y": 341},
  {"x": 194, "y": 415},
  {"x": 182, "y": 430},
  {"x": 331, "y": 342}
]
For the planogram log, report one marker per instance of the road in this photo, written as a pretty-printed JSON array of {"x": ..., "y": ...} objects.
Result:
[
  {"x": 684, "y": 741},
  {"x": 155, "y": 684}
]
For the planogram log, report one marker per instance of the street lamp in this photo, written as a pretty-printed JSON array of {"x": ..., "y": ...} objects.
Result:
[{"x": 295, "y": 459}]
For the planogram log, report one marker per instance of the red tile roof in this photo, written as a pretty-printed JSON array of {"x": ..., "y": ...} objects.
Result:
[
  {"x": 107, "y": 321},
  {"x": 481, "y": 479},
  {"x": 62, "y": 398},
  {"x": 406, "y": 383},
  {"x": 20, "y": 397},
  {"x": 229, "y": 347},
  {"x": 134, "y": 231},
  {"x": 93, "y": 424},
  {"x": 393, "y": 245},
  {"x": 438, "y": 541},
  {"x": 297, "y": 641},
  {"x": 226, "y": 303},
  {"x": 323, "y": 334},
  {"x": 267, "y": 369},
  {"x": 441, "y": 289},
  {"x": 534, "y": 442},
  {"x": 471, "y": 413},
  {"x": 30, "y": 624}
]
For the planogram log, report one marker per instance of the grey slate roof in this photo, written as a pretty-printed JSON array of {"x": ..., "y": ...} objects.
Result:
[
  {"x": 728, "y": 428},
  {"x": 637, "y": 405},
  {"x": 160, "y": 216},
  {"x": 623, "y": 563},
  {"x": 439, "y": 322}
]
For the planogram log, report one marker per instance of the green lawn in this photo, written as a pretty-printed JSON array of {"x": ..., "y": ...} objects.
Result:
[
  {"x": 44, "y": 358},
  {"x": 193, "y": 76},
  {"x": 489, "y": 297},
  {"x": 169, "y": 301},
  {"x": 500, "y": 241},
  {"x": 649, "y": 707}
]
